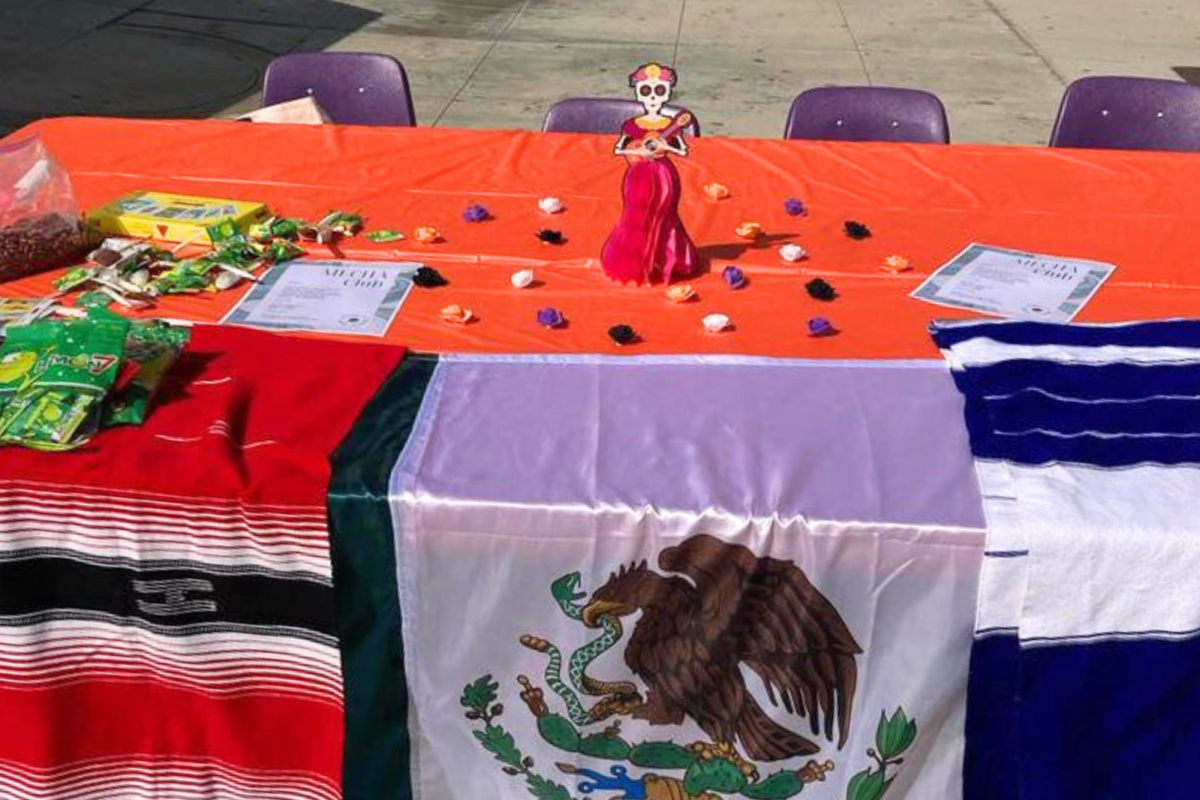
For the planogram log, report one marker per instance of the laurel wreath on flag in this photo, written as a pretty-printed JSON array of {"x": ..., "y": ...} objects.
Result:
[
  {"x": 479, "y": 697},
  {"x": 893, "y": 736}
]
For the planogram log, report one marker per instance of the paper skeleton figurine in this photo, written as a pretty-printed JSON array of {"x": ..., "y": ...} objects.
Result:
[{"x": 649, "y": 243}]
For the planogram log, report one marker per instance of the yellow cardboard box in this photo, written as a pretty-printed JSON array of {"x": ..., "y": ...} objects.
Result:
[{"x": 171, "y": 217}]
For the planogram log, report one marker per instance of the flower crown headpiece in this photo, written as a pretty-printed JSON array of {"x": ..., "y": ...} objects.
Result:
[{"x": 652, "y": 72}]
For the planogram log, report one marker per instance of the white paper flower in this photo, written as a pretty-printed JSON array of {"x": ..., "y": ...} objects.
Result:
[
  {"x": 792, "y": 252},
  {"x": 551, "y": 205},
  {"x": 523, "y": 279},
  {"x": 715, "y": 323}
]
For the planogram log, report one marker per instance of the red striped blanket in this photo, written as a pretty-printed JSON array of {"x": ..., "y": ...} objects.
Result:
[{"x": 166, "y": 607}]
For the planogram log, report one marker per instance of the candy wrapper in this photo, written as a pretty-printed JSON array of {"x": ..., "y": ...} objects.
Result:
[
  {"x": 151, "y": 349},
  {"x": 40, "y": 223}
]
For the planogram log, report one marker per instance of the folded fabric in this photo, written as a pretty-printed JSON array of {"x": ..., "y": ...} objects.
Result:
[
  {"x": 658, "y": 577},
  {"x": 167, "y": 620},
  {"x": 1087, "y": 444}
]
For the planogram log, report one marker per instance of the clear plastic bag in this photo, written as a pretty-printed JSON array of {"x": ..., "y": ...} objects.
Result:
[{"x": 40, "y": 223}]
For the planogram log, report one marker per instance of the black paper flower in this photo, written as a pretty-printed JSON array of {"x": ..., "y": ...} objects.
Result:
[
  {"x": 820, "y": 290},
  {"x": 548, "y": 236},
  {"x": 856, "y": 230},
  {"x": 428, "y": 278},
  {"x": 622, "y": 334}
]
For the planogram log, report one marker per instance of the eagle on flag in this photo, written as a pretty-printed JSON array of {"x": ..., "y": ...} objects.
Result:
[{"x": 725, "y": 609}]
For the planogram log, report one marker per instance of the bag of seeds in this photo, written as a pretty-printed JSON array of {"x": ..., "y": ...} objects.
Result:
[{"x": 40, "y": 223}]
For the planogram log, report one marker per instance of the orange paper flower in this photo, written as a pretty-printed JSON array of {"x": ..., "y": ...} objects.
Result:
[
  {"x": 427, "y": 235},
  {"x": 681, "y": 293},
  {"x": 896, "y": 264},
  {"x": 456, "y": 314},
  {"x": 749, "y": 230},
  {"x": 716, "y": 191}
]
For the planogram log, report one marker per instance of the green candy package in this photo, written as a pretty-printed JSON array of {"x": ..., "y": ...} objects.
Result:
[
  {"x": 61, "y": 381},
  {"x": 23, "y": 356},
  {"x": 54, "y": 375},
  {"x": 151, "y": 350}
]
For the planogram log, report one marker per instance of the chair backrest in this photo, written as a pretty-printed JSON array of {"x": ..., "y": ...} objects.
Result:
[
  {"x": 1129, "y": 114},
  {"x": 352, "y": 88},
  {"x": 868, "y": 114},
  {"x": 600, "y": 115}
]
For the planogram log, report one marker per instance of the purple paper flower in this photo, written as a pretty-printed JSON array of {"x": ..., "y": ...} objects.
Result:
[
  {"x": 795, "y": 207},
  {"x": 549, "y": 317},
  {"x": 734, "y": 277},
  {"x": 476, "y": 213},
  {"x": 819, "y": 326}
]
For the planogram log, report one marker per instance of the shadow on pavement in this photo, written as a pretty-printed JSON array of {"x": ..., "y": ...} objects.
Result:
[
  {"x": 152, "y": 58},
  {"x": 1189, "y": 74}
]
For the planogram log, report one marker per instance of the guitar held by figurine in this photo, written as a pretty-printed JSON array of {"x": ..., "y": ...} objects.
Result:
[{"x": 654, "y": 142}]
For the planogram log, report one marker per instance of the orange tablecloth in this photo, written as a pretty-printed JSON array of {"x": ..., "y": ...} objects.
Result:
[{"x": 925, "y": 202}]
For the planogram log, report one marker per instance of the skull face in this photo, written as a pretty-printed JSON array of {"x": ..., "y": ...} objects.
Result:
[{"x": 652, "y": 93}]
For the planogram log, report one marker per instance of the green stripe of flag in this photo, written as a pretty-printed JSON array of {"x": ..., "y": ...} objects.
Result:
[{"x": 377, "y": 752}]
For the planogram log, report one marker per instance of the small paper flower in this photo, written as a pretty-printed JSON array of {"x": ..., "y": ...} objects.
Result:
[
  {"x": 522, "y": 279},
  {"x": 549, "y": 317},
  {"x": 622, "y": 334},
  {"x": 820, "y": 290},
  {"x": 716, "y": 191},
  {"x": 734, "y": 277},
  {"x": 428, "y": 278},
  {"x": 681, "y": 293},
  {"x": 819, "y": 326},
  {"x": 896, "y": 264},
  {"x": 792, "y": 252},
  {"x": 548, "y": 236},
  {"x": 795, "y": 207},
  {"x": 856, "y": 230},
  {"x": 456, "y": 314},
  {"x": 749, "y": 230},
  {"x": 715, "y": 323},
  {"x": 476, "y": 213},
  {"x": 427, "y": 235},
  {"x": 551, "y": 205}
]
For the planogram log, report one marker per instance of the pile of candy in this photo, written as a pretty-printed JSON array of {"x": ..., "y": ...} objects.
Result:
[
  {"x": 134, "y": 272},
  {"x": 61, "y": 381}
]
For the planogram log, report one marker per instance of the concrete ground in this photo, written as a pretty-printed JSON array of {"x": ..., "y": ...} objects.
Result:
[{"x": 999, "y": 65}]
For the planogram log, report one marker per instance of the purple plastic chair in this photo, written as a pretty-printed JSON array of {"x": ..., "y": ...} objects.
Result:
[
  {"x": 599, "y": 115},
  {"x": 352, "y": 88},
  {"x": 1129, "y": 114},
  {"x": 868, "y": 114}
]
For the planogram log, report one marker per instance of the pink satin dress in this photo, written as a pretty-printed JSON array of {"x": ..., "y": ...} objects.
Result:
[{"x": 649, "y": 243}]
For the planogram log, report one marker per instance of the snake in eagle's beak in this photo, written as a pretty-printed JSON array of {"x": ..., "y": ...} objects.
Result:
[{"x": 598, "y": 609}]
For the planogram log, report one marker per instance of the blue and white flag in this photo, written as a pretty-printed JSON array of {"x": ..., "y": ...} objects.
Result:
[{"x": 1085, "y": 672}]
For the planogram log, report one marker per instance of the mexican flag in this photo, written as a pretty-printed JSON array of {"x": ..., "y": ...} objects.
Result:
[{"x": 652, "y": 577}]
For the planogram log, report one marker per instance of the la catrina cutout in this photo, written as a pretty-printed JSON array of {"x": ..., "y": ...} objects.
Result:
[{"x": 649, "y": 243}]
